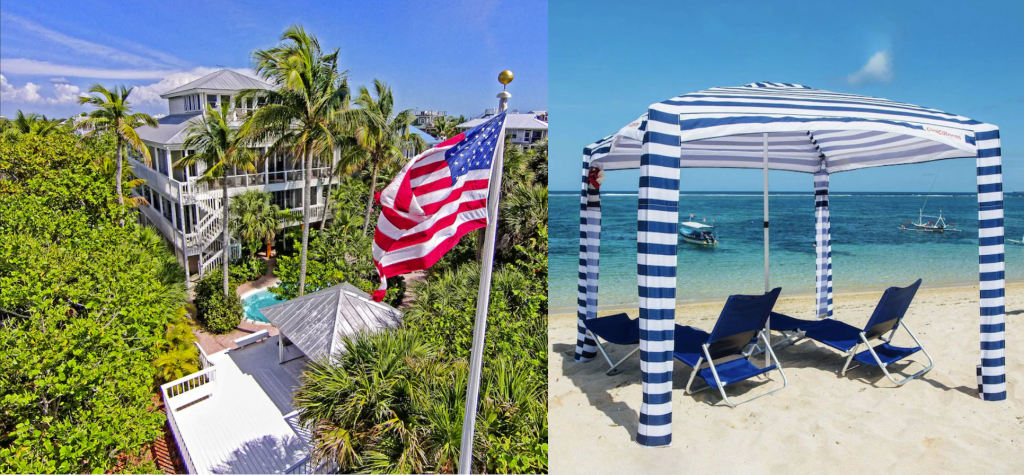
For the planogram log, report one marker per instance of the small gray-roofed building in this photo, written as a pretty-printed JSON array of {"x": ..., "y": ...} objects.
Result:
[
  {"x": 316, "y": 322},
  {"x": 223, "y": 80}
]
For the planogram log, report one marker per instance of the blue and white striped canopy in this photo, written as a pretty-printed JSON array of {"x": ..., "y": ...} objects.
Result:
[
  {"x": 810, "y": 130},
  {"x": 798, "y": 129}
]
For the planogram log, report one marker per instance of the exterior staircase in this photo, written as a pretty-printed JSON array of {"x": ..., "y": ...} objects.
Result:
[{"x": 206, "y": 238}]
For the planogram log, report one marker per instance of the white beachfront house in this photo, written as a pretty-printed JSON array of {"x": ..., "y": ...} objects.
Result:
[
  {"x": 236, "y": 415},
  {"x": 524, "y": 130},
  {"x": 188, "y": 212}
]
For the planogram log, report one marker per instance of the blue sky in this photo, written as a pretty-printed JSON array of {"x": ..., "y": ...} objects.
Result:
[
  {"x": 438, "y": 56},
  {"x": 609, "y": 63}
]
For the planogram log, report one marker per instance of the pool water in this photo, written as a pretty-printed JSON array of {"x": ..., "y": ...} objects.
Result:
[{"x": 256, "y": 301}]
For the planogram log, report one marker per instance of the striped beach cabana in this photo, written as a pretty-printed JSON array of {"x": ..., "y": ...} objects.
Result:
[{"x": 778, "y": 126}]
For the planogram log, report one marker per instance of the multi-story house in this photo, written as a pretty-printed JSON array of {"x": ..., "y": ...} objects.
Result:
[
  {"x": 425, "y": 119},
  {"x": 524, "y": 130},
  {"x": 188, "y": 212}
]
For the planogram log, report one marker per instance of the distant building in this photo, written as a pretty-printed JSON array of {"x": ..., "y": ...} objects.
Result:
[
  {"x": 541, "y": 115},
  {"x": 425, "y": 119},
  {"x": 524, "y": 130}
]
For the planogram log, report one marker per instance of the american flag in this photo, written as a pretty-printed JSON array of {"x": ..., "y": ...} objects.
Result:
[{"x": 438, "y": 197}]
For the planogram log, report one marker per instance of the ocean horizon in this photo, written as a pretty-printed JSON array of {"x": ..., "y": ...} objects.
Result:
[{"x": 869, "y": 250}]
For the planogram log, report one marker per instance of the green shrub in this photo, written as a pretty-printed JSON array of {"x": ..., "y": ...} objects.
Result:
[
  {"x": 219, "y": 314},
  {"x": 246, "y": 269}
]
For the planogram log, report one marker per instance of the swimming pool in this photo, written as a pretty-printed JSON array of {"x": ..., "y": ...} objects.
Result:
[{"x": 255, "y": 301}]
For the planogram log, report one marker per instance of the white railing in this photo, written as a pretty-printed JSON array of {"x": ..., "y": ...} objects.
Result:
[
  {"x": 182, "y": 392},
  {"x": 316, "y": 213},
  {"x": 205, "y": 360},
  {"x": 213, "y": 262}
]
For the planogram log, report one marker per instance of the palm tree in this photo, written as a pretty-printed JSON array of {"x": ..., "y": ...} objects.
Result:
[
  {"x": 380, "y": 132},
  {"x": 302, "y": 114},
  {"x": 114, "y": 114},
  {"x": 33, "y": 124},
  {"x": 255, "y": 220},
  {"x": 350, "y": 156},
  {"x": 220, "y": 147},
  {"x": 445, "y": 127}
]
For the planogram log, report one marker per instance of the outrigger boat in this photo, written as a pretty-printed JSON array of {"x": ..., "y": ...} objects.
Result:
[
  {"x": 938, "y": 225},
  {"x": 1016, "y": 241},
  {"x": 698, "y": 233}
]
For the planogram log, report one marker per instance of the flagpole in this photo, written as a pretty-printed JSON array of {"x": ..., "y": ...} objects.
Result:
[{"x": 484, "y": 295}]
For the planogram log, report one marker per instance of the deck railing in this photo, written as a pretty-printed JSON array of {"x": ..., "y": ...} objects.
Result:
[
  {"x": 202, "y": 356},
  {"x": 184, "y": 391}
]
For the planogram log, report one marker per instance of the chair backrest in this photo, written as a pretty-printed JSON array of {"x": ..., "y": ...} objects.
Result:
[
  {"x": 890, "y": 310},
  {"x": 742, "y": 317}
]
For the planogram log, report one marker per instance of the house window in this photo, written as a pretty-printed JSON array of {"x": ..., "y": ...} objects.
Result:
[{"x": 211, "y": 99}]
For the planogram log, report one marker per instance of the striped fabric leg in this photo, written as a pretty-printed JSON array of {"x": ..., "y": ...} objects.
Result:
[
  {"x": 992, "y": 280},
  {"x": 590, "y": 253},
  {"x": 657, "y": 224},
  {"x": 823, "y": 240}
]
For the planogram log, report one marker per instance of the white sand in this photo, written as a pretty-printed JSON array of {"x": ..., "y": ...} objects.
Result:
[{"x": 821, "y": 423}]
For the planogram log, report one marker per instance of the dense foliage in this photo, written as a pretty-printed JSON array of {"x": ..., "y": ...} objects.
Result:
[
  {"x": 217, "y": 312},
  {"x": 247, "y": 269},
  {"x": 392, "y": 404},
  {"x": 88, "y": 309}
]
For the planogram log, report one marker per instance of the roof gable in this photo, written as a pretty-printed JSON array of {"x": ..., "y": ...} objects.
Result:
[{"x": 317, "y": 322}]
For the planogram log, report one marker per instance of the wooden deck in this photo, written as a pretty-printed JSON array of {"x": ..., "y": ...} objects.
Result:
[{"x": 241, "y": 427}]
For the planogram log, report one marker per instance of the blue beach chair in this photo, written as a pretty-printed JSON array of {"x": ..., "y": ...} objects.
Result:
[
  {"x": 722, "y": 357},
  {"x": 884, "y": 321},
  {"x": 618, "y": 329}
]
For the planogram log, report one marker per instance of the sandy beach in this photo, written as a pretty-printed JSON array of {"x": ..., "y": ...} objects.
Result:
[{"x": 822, "y": 422}]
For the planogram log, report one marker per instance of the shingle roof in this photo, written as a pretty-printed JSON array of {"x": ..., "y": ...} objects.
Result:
[
  {"x": 223, "y": 80},
  {"x": 316, "y": 322},
  {"x": 512, "y": 121},
  {"x": 170, "y": 130}
]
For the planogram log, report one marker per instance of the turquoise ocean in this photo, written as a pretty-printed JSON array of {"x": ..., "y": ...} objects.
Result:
[{"x": 869, "y": 251}]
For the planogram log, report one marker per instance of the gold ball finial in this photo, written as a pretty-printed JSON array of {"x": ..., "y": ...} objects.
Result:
[{"x": 505, "y": 77}]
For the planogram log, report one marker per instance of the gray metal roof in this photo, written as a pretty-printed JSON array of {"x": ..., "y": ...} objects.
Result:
[
  {"x": 316, "y": 322},
  {"x": 223, "y": 80},
  {"x": 512, "y": 121},
  {"x": 171, "y": 128}
]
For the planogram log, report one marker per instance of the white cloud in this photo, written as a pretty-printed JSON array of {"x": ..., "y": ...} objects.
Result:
[
  {"x": 28, "y": 93},
  {"x": 42, "y": 68},
  {"x": 88, "y": 48},
  {"x": 877, "y": 69},
  {"x": 65, "y": 94},
  {"x": 151, "y": 93},
  {"x": 58, "y": 80}
]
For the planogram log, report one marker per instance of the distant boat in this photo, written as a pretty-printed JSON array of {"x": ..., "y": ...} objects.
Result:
[
  {"x": 698, "y": 233},
  {"x": 937, "y": 225},
  {"x": 1016, "y": 241}
]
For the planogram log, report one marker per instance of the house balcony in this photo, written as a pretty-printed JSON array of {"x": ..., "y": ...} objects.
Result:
[{"x": 236, "y": 414}]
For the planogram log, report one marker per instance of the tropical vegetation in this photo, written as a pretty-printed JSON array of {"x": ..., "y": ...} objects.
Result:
[
  {"x": 382, "y": 132},
  {"x": 113, "y": 114},
  {"x": 256, "y": 220},
  {"x": 302, "y": 114},
  {"x": 91, "y": 312}
]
